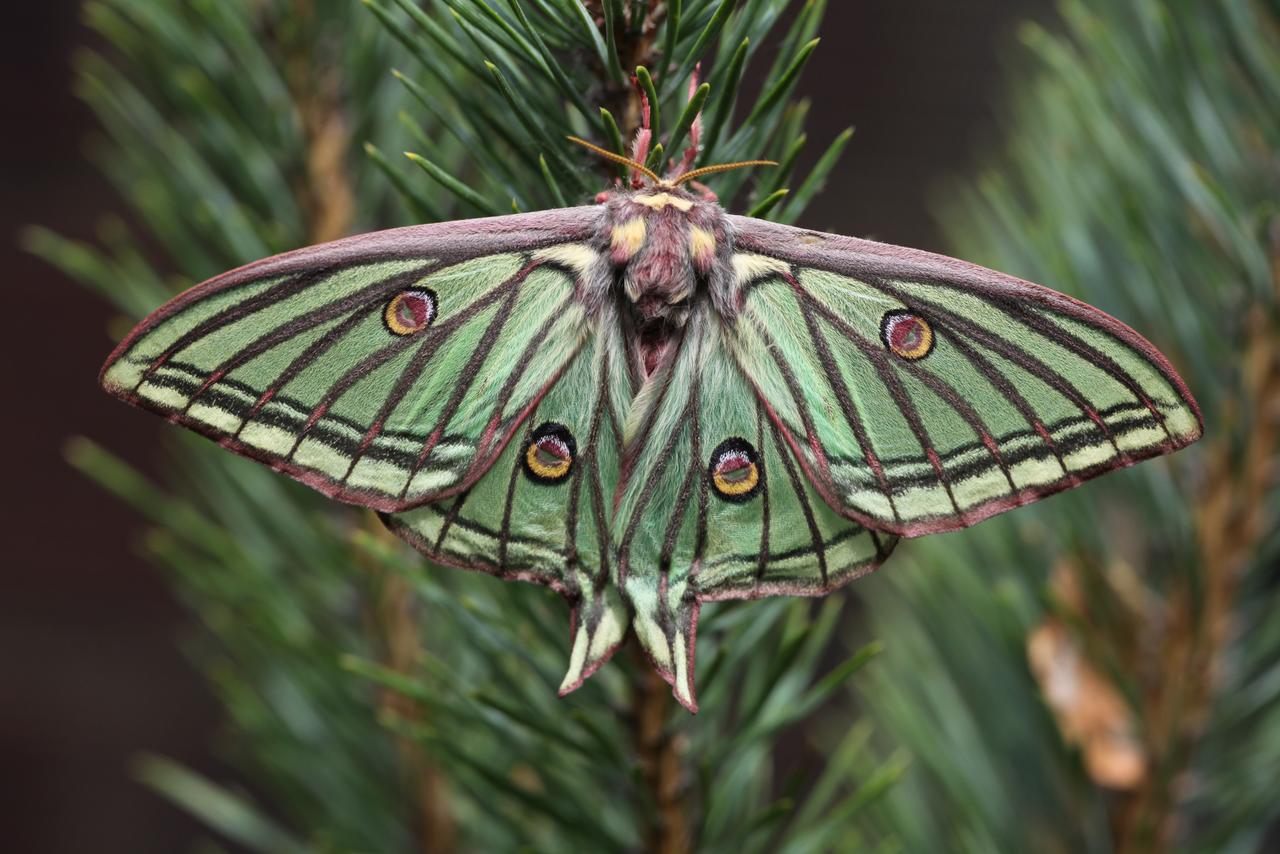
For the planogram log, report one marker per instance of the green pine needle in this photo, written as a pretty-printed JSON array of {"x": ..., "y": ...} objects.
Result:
[
  {"x": 651, "y": 94},
  {"x": 768, "y": 203},
  {"x": 687, "y": 115},
  {"x": 453, "y": 185}
]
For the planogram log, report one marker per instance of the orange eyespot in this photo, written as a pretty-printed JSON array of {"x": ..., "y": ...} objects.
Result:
[
  {"x": 410, "y": 311},
  {"x": 549, "y": 456},
  {"x": 735, "y": 471},
  {"x": 907, "y": 334}
]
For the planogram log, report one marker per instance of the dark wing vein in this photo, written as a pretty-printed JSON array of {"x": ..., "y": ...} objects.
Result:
[
  {"x": 1022, "y": 358},
  {"x": 850, "y": 410},
  {"x": 762, "y": 560},
  {"x": 1067, "y": 339},
  {"x": 797, "y": 486},
  {"x": 943, "y": 389}
]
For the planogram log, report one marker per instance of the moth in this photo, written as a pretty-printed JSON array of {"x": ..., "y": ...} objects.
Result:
[{"x": 648, "y": 403}]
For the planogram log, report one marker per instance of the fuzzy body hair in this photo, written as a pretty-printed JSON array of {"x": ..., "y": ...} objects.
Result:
[{"x": 660, "y": 253}]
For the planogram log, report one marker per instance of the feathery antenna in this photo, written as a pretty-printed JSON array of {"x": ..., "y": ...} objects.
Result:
[
  {"x": 618, "y": 158},
  {"x": 653, "y": 176},
  {"x": 721, "y": 167}
]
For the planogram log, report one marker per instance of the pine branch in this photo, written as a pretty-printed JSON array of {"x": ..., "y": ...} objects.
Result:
[
  {"x": 661, "y": 755},
  {"x": 395, "y": 623},
  {"x": 1150, "y": 698}
]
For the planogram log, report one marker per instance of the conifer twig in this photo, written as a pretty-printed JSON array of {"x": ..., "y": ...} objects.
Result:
[
  {"x": 661, "y": 763},
  {"x": 1230, "y": 522},
  {"x": 326, "y": 195},
  {"x": 328, "y": 200}
]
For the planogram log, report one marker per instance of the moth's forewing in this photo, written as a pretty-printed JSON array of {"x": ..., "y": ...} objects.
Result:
[{"x": 924, "y": 394}]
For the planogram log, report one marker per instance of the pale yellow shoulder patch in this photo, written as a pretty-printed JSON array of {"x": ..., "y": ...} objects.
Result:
[
  {"x": 701, "y": 241},
  {"x": 576, "y": 256},
  {"x": 627, "y": 238},
  {"x": 748, "y": 267}
]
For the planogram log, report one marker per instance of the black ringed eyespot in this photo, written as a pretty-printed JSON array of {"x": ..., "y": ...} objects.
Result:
[
  {"x": 410, "y": 311},
  {"x": 735, "y": 471},
  {"x": 549, "y": 456},
  {"x": 907, "y": 335}
]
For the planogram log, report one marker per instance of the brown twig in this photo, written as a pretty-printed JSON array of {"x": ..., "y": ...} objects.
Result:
[
  {"x": 327, "y": 198},
  {"x": 325, "y": 190},
  {"x": 396, "y": 622},
  {"x": 1230, "y": 521},
  {"x": 635, "y": 47},
  {"x": 661, "y": 763}
]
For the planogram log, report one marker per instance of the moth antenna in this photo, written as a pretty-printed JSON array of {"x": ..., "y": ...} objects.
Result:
[
  {"x": 617, "y": 158},
  {"x": 721, "y": 167}
]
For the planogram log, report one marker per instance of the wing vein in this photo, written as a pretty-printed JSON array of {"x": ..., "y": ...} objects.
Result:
[
  {"x": 504, "y": 534},
  {"x": 1023, "y": 359},
  {"x": 287, "y": 288},
  {"x": 358, "y": 303},
  {"x": 880, "y": 361},
  {"x": 584, "y": 468},
  {"x": 451, "y": 517},
  {"x": 797, "y": 486},
  {"x": 762, "y": 560},
  {"x": 1086, "y": 351},
  {"x": 468, "y": 374},
  {"x": 850, "y": 410},
  {"x": 939, "y": 386},
  {"x": 646, "y": 492},
  {"x": 1011, "y": 394}
]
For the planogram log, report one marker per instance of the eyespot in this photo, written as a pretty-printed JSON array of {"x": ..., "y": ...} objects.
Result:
[
  {"x": 735, "y": 471},
  {"x": 550, "y": 454},
  {"x": 410, "y": 311},
  {"x": 906, "y": 334}
]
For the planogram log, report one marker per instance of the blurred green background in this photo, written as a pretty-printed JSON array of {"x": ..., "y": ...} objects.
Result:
[{"x": 1097, "y": 673}]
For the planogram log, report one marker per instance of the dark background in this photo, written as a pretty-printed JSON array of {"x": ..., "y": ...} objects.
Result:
[{"x": 90, "y": 667}]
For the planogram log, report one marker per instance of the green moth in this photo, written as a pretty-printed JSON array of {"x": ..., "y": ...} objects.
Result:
[{"x": 647, "y": 403}]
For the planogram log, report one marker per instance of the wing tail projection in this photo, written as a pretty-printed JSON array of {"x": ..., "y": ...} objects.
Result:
[
  {"x": 713, "y": 506},
  {"x": 600, "y": 624}
]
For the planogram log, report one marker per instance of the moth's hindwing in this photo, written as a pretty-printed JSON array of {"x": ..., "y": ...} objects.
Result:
[
  {"x": 715, "y": 506},
  {"x": 923, "y": 394},
  {"x": 542, "y": 511}
]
